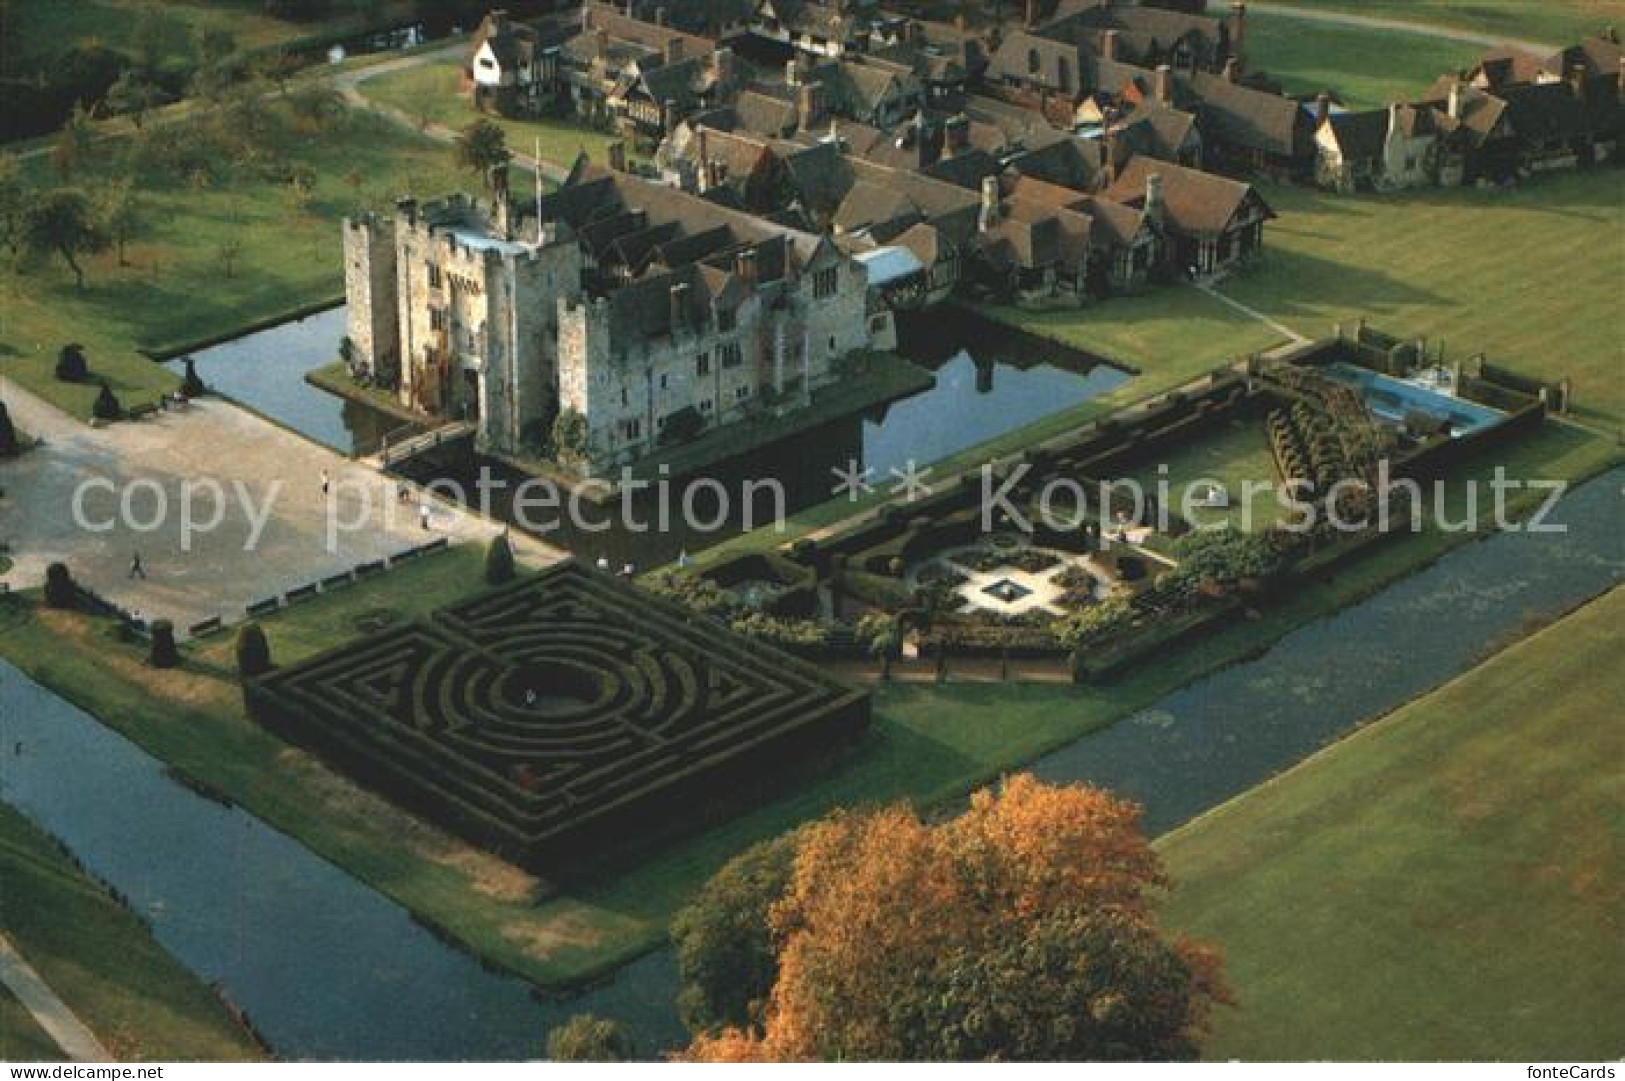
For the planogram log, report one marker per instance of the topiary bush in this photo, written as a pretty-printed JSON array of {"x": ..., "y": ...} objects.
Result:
[
  {"x": 164, "y": 653},
  {"x": 499, "y": 566},
  {"x": 107, "y": 405},
  {"x": 253, "y": 651},
  {"x": 588, "y": 1038},
  {"x": 60, "y": 591},
  {"x": 71, "y": 366},
  {"x": 191, "y": 383}
]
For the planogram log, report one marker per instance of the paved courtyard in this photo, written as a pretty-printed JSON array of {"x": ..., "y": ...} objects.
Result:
[{"x": 276, "y": 528}]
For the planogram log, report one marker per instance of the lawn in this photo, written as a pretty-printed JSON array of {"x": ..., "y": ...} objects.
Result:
[
  {"x": 21, "y": 1038},
  {"x": 1364, "y": 69},
  {"x": 38, "y": 32},
  {"x": 102, "y": 961},
  {"x": 1446, "y": 884},
  {"x": 1236, "y": 454},
  {"x": 430, "y": 94},
  {"x": 1461, "y": 267},
  {"x": 1555, "y": 21},
  {"x": 176, "y": 290},
  {"x": 928, "y": 744}
]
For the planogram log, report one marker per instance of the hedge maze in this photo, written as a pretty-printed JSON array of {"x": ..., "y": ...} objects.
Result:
[{"x": 555, "y": 712}]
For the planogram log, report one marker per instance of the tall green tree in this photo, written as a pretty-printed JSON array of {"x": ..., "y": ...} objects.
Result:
[
  {"x": 64, "y": 223},
  {"x": 726, "y": 957},
  {"x": 134, "y": 96},
  {"x": 119, "y": 209},
  {"x": 15, "y": 195},
  {"x": 481, "y": 146}
]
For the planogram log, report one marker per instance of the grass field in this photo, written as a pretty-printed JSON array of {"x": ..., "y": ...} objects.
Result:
[
  {"x": 39, "y": 30},
  {"x": 1365, "y": 69},
  {"x": 429, "y": 94},
  {"x": 1236, "y": 455},
  {"x": 102, "y": 961},
  {"x": 1554, "y": 21},
  {"x": 927, "y": 744},
  {"x": 176, "y": 290},
  {"x": 1530, "y": 276},
  {"x": 1446, "y": 884},
  {"x": 21, "y": 1039}
]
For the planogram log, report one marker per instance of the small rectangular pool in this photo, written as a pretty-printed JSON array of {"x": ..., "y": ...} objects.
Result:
[{"x": 1391, "y": 399}]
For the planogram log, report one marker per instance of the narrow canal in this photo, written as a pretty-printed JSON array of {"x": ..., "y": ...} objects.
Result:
[{"x": 329, "y": 969}]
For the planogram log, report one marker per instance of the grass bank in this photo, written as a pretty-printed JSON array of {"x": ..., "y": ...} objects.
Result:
[
  {"x": 1459, "y": 266},
  {"x": 1559, "y": 22},
  {"x": 927, "y": 744},
  {"x": 1444, "y": 885},
  {"x": 102, "y": 961},
  {"x": 1364, "y": 68}
]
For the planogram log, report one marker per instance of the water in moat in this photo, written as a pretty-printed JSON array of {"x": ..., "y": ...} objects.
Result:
[{"x": 327, "y": 968}]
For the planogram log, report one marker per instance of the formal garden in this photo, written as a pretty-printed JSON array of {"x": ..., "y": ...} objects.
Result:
[
  {"x": 1074, "y": 565},
  {"x": 563, "y": 708}
]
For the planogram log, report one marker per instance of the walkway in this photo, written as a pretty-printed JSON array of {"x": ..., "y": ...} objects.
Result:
[
  {"x": 49, "y": 1012},
  {"x": 1377, "y": 22},
  {"x": 273, "y": 530},
  {"x": 1251, "y": 313}
]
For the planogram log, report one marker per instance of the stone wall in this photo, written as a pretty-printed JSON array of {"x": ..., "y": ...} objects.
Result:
[{"x": 369, "y": 284}]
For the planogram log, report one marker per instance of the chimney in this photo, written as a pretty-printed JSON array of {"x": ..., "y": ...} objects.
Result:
[
  {"x": 702, "y": 159},
  {"x": 989, "y": 216},
  {"x": 956, "y": 130},
  {"x": 792, "y": 73},
  {"x": 600, "y": 43},
  {"x": 1323, "y": 108},
  {"x": 679, "y": 307},
  {"x": 407, "y": 208},
  {"x": 1238, "y": 31},
  {"x": 674, "y": 49},
  {"x": 586, "y": 17},
  {"x": 499, "y": 20},
  {"x": 617, "y": 156},
  {"x": 1031, "y": 15},
  {"x": 1165, "y": 84},
  {"x": 668, "y": 116},
  {"x": 1108, "y": 45},
  {"x": 660, "y": 16},
  {"x": 1232, "y": 70},
  {"x": 1153, "y": 198},
  {"x": 1393, "y": 120},
  {"x": 745, "y": 265},
  {"x": 1455, "y": 103},
  {"x": 1622, "y": 76},
  {"x": 810, "y": 105}
]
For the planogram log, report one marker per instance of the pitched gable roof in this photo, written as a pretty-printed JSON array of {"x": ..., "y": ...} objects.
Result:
[{"x": 1197, "y": 203}]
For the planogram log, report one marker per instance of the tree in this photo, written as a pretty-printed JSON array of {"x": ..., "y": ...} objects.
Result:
[
  {"x": 64, "y": 223},
  {"x": 726, "y": 956},
  {"x": 133, "y": 95},
  {"x": 71, "y": 366},
  {"x": 569, "y": 436},
  {"x": 586, "y": 1038},
  {"x": 1022, "y": 930},
  {"x": 14, "y": 199},
  {"x": 499, "y": 566},
  {"x": 60, "y": 592},
  {"x": 164, "y": 653},
  {"x": 71, "y": 142},
  {"x": 120, "y": 213},
  {"x": 106, "y": 406},
  {"x": 253, "y": 651},
  {"x": 481, "y": 147},
  {"x": 317, "y": 104}
]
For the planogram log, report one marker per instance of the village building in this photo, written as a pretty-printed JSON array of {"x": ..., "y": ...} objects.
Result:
[
  {"x": 1210, "y": 224},
  {"x": 648, "y": 313}
]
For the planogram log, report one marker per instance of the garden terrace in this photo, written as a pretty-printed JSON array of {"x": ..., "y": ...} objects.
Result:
[{"x": 562, "y": 709}]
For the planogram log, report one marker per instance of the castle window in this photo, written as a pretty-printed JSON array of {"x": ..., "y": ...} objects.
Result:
[
  {"x": 731, "y": 355},
  {"x": 824, "y": 282},
  {"x": 705, "y": 405},
  {"x": 437, "y": 319},
  {"x": 434, "y": 275},
  {"x": 742, "y": 392},
  {"x": 702, "y": 364},
  {"x": 634, "y": 429},
  {"x": 623, "y": 395},
  {"x": 727, "y": 319},
  {"x": 662, "y": 380},
  {"x": 1033, "y": 63}
]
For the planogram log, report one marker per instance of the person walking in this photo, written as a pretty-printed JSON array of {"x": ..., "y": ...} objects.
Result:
[
  {"x": 327, "y": 482},
  {"x": 136, "y": 569},
  {"x": 423, "y": 515}
]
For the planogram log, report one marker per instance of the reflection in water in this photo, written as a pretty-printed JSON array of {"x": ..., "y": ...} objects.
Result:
[{"x": 329, "y": 969}]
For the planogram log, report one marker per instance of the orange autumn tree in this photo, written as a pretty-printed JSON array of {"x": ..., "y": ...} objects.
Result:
[{"x": 1021, "y": 930}]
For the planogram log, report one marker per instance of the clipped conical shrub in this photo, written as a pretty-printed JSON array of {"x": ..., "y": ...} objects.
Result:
[
  {"x": 107, "y": 405},
  {"x": 59, "y": 588},
  {"x": 8, "y": 433},
  {"x": 164, "y": 652},
  {"x": 191, "y": 383},
  {"x": 499, "y": 566},
  {"x": 253, "y": 651},
  {"x": 71, "y": 366}
]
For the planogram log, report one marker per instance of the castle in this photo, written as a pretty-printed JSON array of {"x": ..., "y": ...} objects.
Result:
[{"x": 642, "y": 314}]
